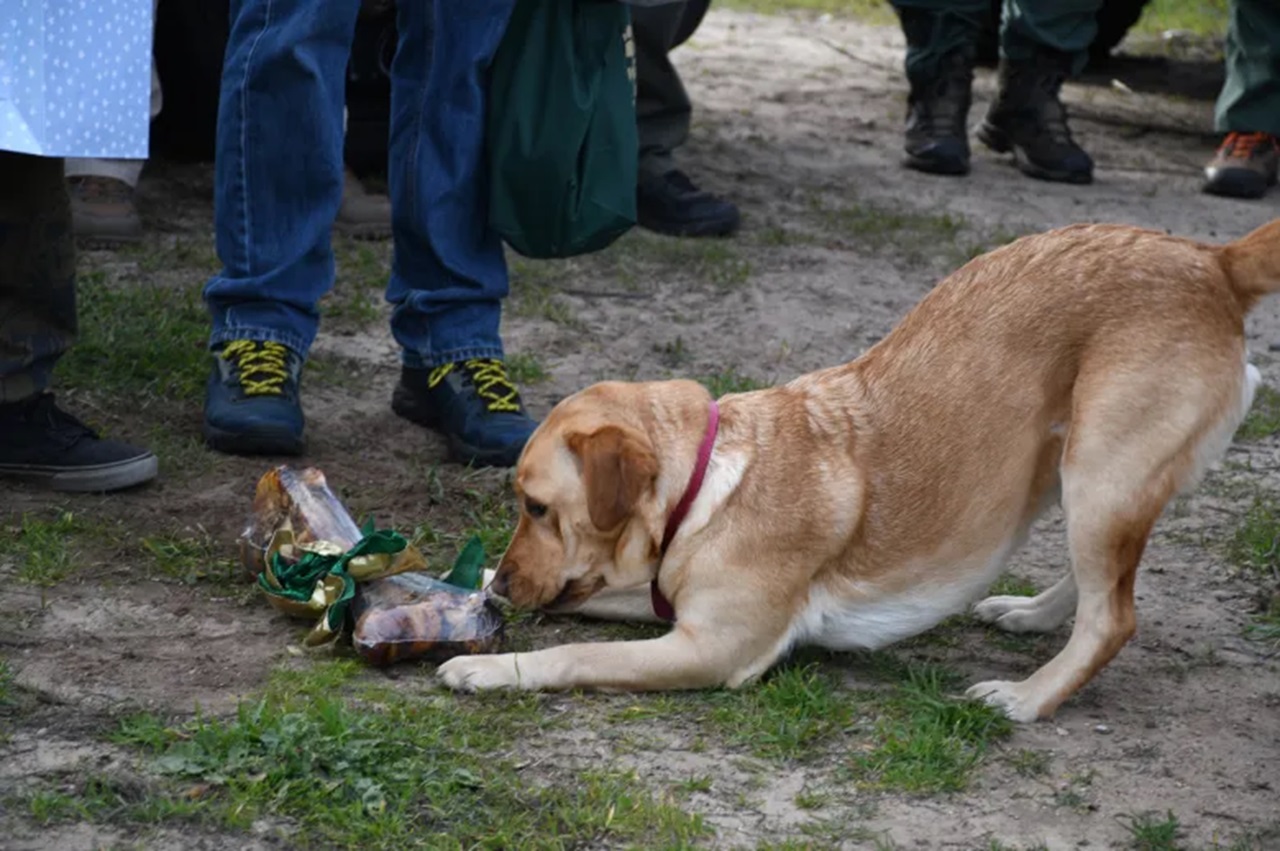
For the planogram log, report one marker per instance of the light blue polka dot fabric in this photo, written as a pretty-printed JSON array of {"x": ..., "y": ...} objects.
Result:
[{"x": 75, "y": 77}]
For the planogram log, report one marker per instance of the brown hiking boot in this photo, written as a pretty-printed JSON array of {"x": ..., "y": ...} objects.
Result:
[
  {"x": 104, "y": 209},
  {"x": 363, "y": 215},
  {"x": 1244, "y": 166}
]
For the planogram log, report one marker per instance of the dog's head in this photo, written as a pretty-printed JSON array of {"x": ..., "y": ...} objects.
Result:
[{"x": 587, "y": 489}]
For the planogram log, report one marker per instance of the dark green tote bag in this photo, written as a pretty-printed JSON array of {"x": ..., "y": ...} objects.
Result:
[{"x": 562, "y": 128}]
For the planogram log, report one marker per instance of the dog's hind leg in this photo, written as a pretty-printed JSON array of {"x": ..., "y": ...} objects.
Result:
[
  {"x": 1044, "y": 612},
  {"x": 1137, "y": 437}
]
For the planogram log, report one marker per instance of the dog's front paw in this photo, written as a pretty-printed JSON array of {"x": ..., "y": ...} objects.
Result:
[
  {"x": 1007, "y": 697},
  {"x": 474, "y": 673}
]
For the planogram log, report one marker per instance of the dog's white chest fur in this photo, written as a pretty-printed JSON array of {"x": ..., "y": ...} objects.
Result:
[{"x": 862, "y": 619}]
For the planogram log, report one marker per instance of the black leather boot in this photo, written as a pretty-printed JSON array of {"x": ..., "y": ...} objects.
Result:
[
  {"x": 1028, "y": 118},
  {"x": 937, "y": 115}
]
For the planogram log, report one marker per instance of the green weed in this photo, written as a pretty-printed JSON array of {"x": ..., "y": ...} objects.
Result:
[
  {"x": 1030, "y": 763},
  {"x": 526, "y": 369},
  {"x": 43, "y": 550},
  {"x": 1150, "y": 832},
  {"x": 1255, "y": 544},
  {"x": 1263, "y": 419},
  {"x": 928, "y": 741},
  {"x": 729, "y": 380},
  {"x": 1009, "y": 585}
]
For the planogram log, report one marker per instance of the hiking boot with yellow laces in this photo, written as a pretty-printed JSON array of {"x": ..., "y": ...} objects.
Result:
[
  {"x": 473, "y": 404},
  {"x": 251, "y": 403},
  {"x": 1244, "y": 166}
]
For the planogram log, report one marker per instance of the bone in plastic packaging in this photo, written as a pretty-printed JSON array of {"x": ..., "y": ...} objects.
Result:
[{"x": 415, "y": 616}]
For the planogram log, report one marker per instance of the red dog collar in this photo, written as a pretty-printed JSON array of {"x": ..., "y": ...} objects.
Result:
[{"x": 661, "y": 605}]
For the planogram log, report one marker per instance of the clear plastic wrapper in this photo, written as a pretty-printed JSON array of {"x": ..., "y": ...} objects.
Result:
[{"x": 415, "y": 616}]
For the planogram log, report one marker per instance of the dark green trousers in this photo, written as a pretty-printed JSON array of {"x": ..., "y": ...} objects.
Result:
[
  {"x": 37, "y": 273},
  {"x": 663, "y": 109},
  {"x": 1027, "y": 27},
  {"x": 1250, "y": 97}
]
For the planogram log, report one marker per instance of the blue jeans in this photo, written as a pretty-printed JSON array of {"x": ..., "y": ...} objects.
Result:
[{"x": 279, "y": 175}]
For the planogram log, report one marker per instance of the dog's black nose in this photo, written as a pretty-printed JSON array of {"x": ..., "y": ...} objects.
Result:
[{"x": 499, "y": 584}]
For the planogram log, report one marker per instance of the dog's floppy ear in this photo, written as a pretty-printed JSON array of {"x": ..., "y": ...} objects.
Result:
[{"x": 618, "y": 466}]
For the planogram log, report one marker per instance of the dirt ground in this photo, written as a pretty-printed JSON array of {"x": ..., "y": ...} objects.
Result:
[{"x": 798, "y": 121}]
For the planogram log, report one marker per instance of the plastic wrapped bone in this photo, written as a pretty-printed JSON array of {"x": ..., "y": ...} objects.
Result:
[
  {"x": 414, "y": 616},
  {"x": 311, "y": 560},
  {"x": 307, "y": 553},
  {"x": 294, "y": 511}
]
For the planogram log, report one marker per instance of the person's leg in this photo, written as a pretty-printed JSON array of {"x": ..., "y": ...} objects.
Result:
[
  {"x": 103, "y": 191},
  {"x": 38, "y": 441},
  {"x": 1248, "y": 107},
  {"x": 667, "y": 200},
  {"x": 449, "y": 275},
  {"x": 1042, "y": 42},
  {"x": 942, "y": 43},
  {"x": 277, "y": 186}
]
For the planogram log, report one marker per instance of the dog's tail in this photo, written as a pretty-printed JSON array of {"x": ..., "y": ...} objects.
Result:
[{"x": 1253, "y": 263}]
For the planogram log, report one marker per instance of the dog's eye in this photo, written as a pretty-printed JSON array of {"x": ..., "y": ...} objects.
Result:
[{"x": 536, "y": 509}]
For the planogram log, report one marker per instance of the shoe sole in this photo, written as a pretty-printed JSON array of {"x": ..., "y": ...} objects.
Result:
[
  {"x": 260, "y": 442},
  {"x": 1229, "y": 184},
  {"x": 98, "y": 479},
  {"x": 692, "y": 231},
  {"x": 995, "y": 139},
  {"x": 936, "y": 167},
  {"x": 405, "y": 407}
]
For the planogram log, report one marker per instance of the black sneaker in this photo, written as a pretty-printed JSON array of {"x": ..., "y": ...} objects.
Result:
[
  {"x": 473, "y": 404},
  {"x": 41, "y": 443},
  {"x": 251, "y": 404},
  {"x": 937, "y": 114},
  {"x": 1028, "y": 118},
  {"x": 673, "y": 205}
]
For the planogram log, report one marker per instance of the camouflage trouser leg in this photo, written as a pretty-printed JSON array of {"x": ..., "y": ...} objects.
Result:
[{"x": 37, "y": 273}]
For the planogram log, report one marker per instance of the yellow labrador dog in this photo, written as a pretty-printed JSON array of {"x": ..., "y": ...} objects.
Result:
[{"x": 1102, "y": 366}]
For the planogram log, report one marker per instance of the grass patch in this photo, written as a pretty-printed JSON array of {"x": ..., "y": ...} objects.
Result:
[
  {"x": 526, "y": 369},
  {"x": 138, "y": 341},
  {"x": 105, "y": 798},
  {"x": 378, "y": 770},
  {"x": 43, "y": 549},
  {"x": 1201, "y": 17},
  {"x": 541, "y": 302},
  {"x": 1009, "y": 585},
  {"x": 1151, "y": 832},
  {"x": 641, "y": 256},
  {"x": 6, "y": 684},
  {"x": 906, "y": 233},
  {"x": 1030, "y": 763},
  {"x": 729, "y": 380},
  {"x": 1266, "y": 627},
  {"x": 786, "y": 715},
  {"x": 928, "y": 741},
  {"x": 362, "y": 263},
  {"x": 46, "y": 550},
  {"x": 190, "y": 558},
  {"x": 1264, "y": 417},
  {"x": 1255, "y": 544}
]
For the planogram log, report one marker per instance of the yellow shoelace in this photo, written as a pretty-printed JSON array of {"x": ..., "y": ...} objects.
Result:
[
  {"x": 490, "y": 379},
  {"x": 263, "y": 367}
]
